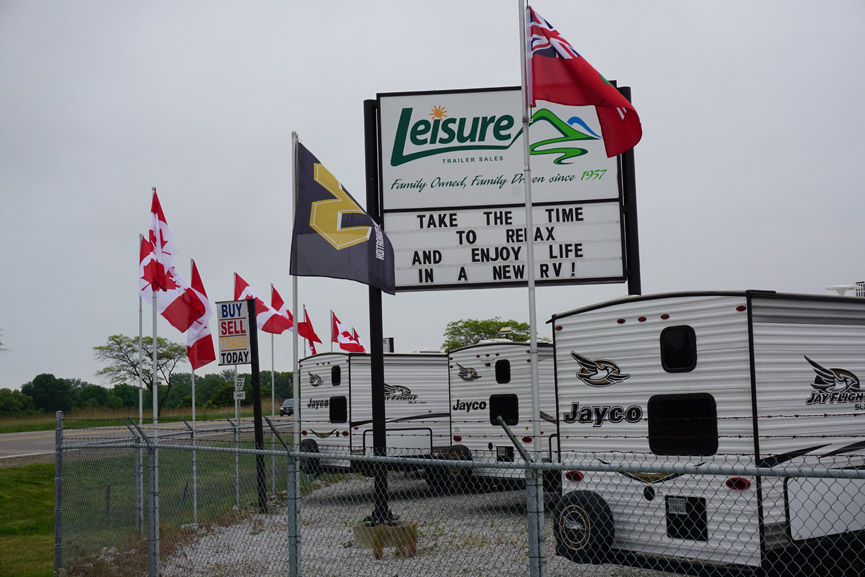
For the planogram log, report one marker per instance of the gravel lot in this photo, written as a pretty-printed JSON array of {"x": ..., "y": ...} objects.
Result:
[{"x": 481, "y": 533}]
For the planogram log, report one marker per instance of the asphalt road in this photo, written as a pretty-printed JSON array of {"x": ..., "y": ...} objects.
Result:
[{"x": 42, "y": 442}]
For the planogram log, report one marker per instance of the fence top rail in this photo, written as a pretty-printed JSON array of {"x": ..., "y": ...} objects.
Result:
[{"x": 715, "y": 469}]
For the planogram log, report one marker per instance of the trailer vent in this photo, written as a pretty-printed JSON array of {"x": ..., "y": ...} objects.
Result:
[{"x": 686, "y": 518}]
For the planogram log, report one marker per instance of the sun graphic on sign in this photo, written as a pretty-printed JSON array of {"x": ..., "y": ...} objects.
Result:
[{"x": 438, "y": 112}]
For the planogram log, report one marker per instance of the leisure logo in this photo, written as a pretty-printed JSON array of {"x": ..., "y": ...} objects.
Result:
[{"x": 418, "y": 138}]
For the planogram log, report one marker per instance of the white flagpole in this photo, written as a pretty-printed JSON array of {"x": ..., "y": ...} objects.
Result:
[
  {"x": 140, "y": 347},
  {"x": 194, "y": 452},
  {"x": 272, "y": 404},
  {"x": 537, "y": 565},
  {"x": 331, "y": 330}
]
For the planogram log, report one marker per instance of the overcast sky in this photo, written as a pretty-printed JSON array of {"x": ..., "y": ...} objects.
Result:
[{"x": 748, "y": 173}]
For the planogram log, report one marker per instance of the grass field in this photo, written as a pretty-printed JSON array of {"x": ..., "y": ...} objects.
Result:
[
  {"x": 99, "y": 507},
  {"x": 85, "y": 418},
  {"x": 27, "y": 521}
]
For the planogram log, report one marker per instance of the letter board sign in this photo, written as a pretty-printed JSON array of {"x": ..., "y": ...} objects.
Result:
[{"x": 453, "y": 198}]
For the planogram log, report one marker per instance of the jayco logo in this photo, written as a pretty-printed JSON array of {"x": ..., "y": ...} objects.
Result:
[
  {"x": 318, "y": 403},
  {"x": 597, "y": 415},
  {"x": 469, "y": 406},
  {"x": 443, "y": 134},
  {"x": 834, "y": 386},
  {"x": 314, "y": 380}
]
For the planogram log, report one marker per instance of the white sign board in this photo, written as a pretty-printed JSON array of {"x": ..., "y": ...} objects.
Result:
[
  {"x": 453, "y": 196},
  {"x": 239, "y": 395},
  {"x": 238, "y": 384},
  {"x": 233, "y": 328}
]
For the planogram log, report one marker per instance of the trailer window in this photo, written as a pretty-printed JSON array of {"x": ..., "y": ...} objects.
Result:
[
  {"x": 335, "y": 375},
  {"x": 684, "y": 424},
  {"x": 338, "y": 410},
  {"x": 508, "y": 406},
  {"x": 678, "y": 349},
  {"x": 503, "y": 371}
]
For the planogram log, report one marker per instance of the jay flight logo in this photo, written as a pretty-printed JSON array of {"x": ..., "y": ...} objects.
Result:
[
  {"x": 832, "y": 385},
  {"x": 467, "y": 373},
  {"x": 598, "y": 373},
  {"x": 314, "y": 380}
]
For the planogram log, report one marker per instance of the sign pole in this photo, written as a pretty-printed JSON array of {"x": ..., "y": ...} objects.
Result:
[
  {"x": 381, "y": 513},
  {"x": 256, "y": 408}
]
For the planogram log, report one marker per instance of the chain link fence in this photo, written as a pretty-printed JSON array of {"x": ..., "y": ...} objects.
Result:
[{"x": 132, "y": 505}]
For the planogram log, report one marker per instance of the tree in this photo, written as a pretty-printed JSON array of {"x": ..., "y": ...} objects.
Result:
[
  {"x": 49, "y": 393},
  {"x": 121, "y": 355},
  {"x": 15, "y": 403},
  {"x": 470, "y": 331}
]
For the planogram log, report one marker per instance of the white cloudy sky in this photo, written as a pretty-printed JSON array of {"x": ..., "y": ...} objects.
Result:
[{"x": 748, "y": 174}]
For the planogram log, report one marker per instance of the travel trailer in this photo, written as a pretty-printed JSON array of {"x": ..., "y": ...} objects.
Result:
[
  {"x": 489, "y": 379},
  {"x": 336, "y": 407},
  {"x": 712, "y": 378}
]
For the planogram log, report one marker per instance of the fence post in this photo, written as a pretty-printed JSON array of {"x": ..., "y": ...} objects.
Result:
[
  {"x": 534, "y": 507},
  {"x": 58, "y": 492},
  {"x": 236, "y": 427},
  {"x": 292, "y": 511},
  {"x": 152, "y": 508}
]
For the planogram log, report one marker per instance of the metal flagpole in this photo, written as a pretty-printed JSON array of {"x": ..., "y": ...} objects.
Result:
[
  {"x": 194, "y": 453},
  {"x": 153, "y": 550},
  {"x": 535, "y": 496},
  {"x": 293, "y": 470},
  {"x": 331, "y": 330},
  {"x": 272, "y": 404},
  {"x": 139, "y": 478}
]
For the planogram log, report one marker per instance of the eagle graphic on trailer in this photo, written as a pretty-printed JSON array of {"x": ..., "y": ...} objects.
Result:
[{"x": 704, "y": 379}]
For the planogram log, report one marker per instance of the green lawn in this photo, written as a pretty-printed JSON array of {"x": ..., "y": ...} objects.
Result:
[
  {"x": 99, "y": 512},
  {"x": 27, "y": 520}
]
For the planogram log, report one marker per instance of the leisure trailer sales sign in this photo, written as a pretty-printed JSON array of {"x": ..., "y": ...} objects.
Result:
[{"x": 453, "y": 196}]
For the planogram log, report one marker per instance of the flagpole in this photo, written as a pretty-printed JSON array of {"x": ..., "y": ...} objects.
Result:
[
  {"x": 331, "y": 330},
  {"x": 293, "y": 513},
  {"x": 139, "y": 478},
  {"x": 272, "y": 402},
  {"x": 194, "y": 452},
  {"x": 154, "y": 489},
  {"x": 537, "y": 566}
]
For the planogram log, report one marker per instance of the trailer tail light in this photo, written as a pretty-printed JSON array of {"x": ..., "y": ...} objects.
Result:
[
  {"x": 621, "y": 321},
  {"x": 741, "y": 308},
  {"x": 527, "y": 439},
  {"x": 642, "y": 319},
  {"x": 665, "y": 316},
  {"x": 738, "y": 483},
  {"x": 458, "y": 438},
  {"x": 345, "y": 433},
  {"x": 559, "y": 327},
  {"x": 303, "y": 433},
  {"x": 574, "y": 476}
]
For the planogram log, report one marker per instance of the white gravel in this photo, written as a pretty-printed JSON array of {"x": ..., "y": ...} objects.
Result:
[{"x": 478, "y": 534}]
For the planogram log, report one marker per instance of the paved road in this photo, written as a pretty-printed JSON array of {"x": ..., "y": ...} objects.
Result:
[{"x": 41, "y": 442}]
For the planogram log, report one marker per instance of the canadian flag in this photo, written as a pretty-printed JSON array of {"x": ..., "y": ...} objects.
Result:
[
  {"x": 175, "y": 299},
  {"x": 339, "y": 334},
  {"x": 304, "y": 329},
  {"x": 279, "y": 306},
  {"x": 162, "y": 244},
  {"x": 356, "y": 338},
  {"x": 199, "y": 340},
  {"x": 267, "y": 319}
]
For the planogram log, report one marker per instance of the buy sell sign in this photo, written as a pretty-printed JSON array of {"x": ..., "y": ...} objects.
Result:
[{"x": 233, "y": 325}]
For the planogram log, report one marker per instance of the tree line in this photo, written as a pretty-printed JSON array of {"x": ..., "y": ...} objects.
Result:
[
  {"x": 120, "y": 354},
  {"x": 47, "y": 393}
]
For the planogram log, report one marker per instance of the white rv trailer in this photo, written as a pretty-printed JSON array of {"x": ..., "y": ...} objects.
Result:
[
  {"x": 489, "y": 379},
  {"x": 754, "y": 378},
  {"x": 336, "y": 406}
]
